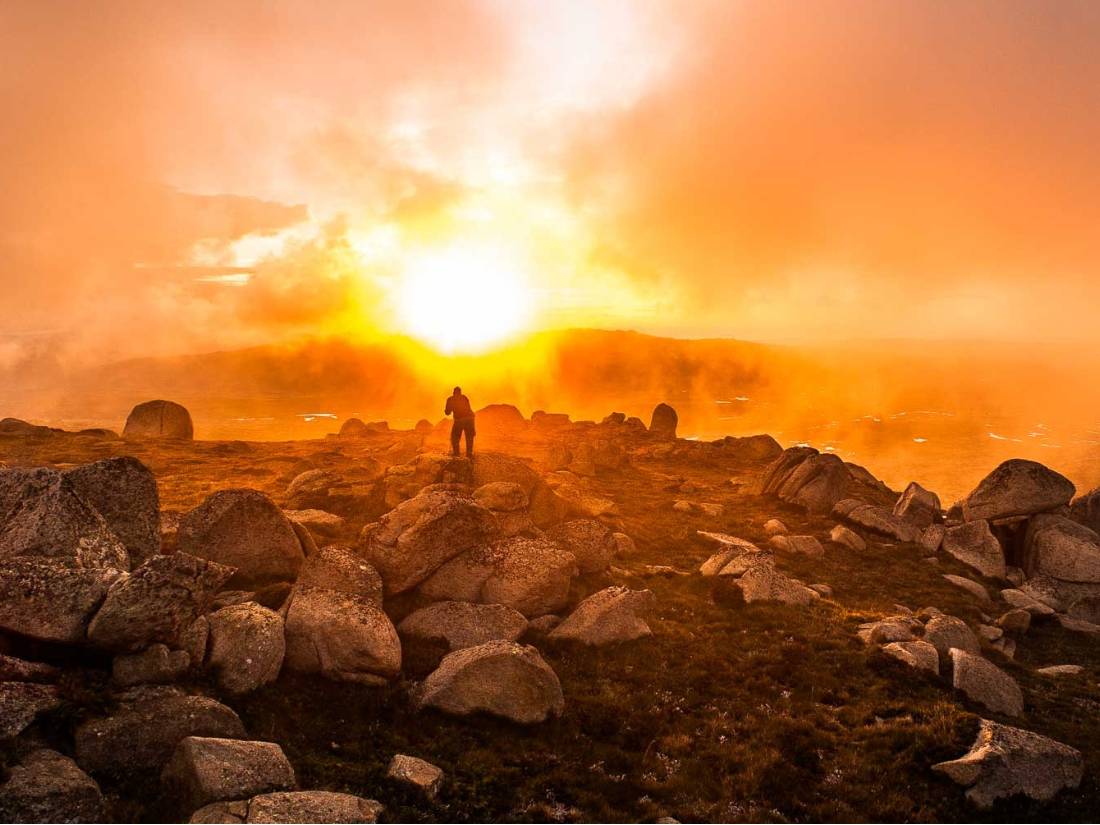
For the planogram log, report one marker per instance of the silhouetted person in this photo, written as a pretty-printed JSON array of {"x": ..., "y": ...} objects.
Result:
[{"x": 459, "y": 406}]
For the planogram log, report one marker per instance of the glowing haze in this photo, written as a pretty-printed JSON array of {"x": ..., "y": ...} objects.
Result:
[{"x": 191, "y": 176}]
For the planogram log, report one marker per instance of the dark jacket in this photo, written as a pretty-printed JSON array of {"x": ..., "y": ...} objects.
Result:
[{"x": 460, "y": 406}]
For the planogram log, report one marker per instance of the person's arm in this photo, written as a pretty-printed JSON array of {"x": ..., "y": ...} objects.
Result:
[{"x": 447, "y": 409}]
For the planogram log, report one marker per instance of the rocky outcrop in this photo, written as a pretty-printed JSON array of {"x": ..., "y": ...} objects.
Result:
[
  {"x": 502, "y": 496},
  {"x": 417, "y": 537},
  {"x": 591, "y": 543},
  {"x": 204, "y": 770},
  {"x": 292, "y": 807},
  {"x": 246, "y": 647},
  {"x": 501, "y": 678},
  {"x": 159, "y": 419},
  {"x": 157, "y": 602},
  {"x": 918, "y": 506},
  {"x": 48, "y": 787},
  {"x": 1005, "y": 761},
  {"x": 816, "y": 484},
  {"x": 44, "y": 600},
  {"x": 1017, "y": 487},
  {"x": 139, "y": 739},
  {"x": 124, "y": 492},
  {"x": 974, "y": 544},
  {"x": 429, "y": 634},
  {"x": 342, "y": 636},
  {"x": 663, "y": 422},
  {"x": 985, "y": 683},
  {"x": 245, "y": 530},
  {"x": 614, "y": 614},
  {"x": 531, "y": 576}
]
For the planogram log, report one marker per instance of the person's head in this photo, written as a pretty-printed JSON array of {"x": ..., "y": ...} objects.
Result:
[{"x": 458, "y": 390}]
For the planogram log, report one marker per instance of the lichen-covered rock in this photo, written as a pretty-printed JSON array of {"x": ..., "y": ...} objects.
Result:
[
  {"x": 43, "y": 600},
  {"x": 13, "y": 669},
  {"x": 139, "y": 738},
  {"x": 154, "y": 665},
  {"x": 1085, "y": 509},
  {"x": 879, "y": 519},
  {"x": 417, "y": 773},
  {"x": 337, "y": 567},
  {"x": 614, "y": 614},
  {"x": 342, "y": 636},
  {"x": 734, "y": 556},
  {"x": 663, "y": 422},
  {"x": 243, "y": 529},
  {"x": 292, "y": 807},
  {"x": 417, "y": 537},
  {"x": 316, "y": 523},
  {"x": 21, "y": 702},
  {"x": 969, "y": 585},
  {"x": 1017, "y": 487},
  {"x": 157, "y": 602},
  {"x": 847, "y": 537},
  {"x": 931, "y": 537},
  {"x": 918, "y": 506},
  {"x": 44, "y": 517},
  {"x": 159, "y": 419},
  {"x": 590, "y": 542},
  {"x": 204, "y": 770},
  {"x": 801, "y": 545},
  {"x": 974, "y": 544},
  {"x": 48, "y": 787},
  {"x": 1005, "y": 761},
  {"x": 816, "y": 484},
  {"x": 502, "y": 496},
  {"x": 774, "y": 527},
  {"x": 1062, "y": 549},
  {"x": 501, "y": 678},
  {"x": 985, "y": 683},
  {"x": 124, "y": 492},
  {"x": 246, "y": 647},
  {"x": 945, "y": 632},
  {"x": 763, "y": 583},
  {"x": 917, "y": 654},
  {"x": 428, "y": 634},
  {"x": 1026, "y": 601}
]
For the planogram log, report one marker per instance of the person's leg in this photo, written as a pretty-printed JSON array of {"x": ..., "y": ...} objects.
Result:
[
  {"x": 456, "y": 434},
  {"x": 470, "y": 439}
]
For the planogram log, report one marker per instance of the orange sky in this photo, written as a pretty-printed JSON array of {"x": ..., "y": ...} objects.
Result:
[{"x": 201, "y": 175}]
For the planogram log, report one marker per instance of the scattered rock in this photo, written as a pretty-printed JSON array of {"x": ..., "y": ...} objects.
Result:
[
  {"x": 159, "y": 419},
  {"x": 985, "y": 683},
  {"x": 969, "y": 585},
  {"x": 422, "y": 775},
  {"x": 774, "y": 527},
  {"x": 48, "y": 787},
  {"x": 139, "y": 738},
  {"x": 156, "y": 602},
  {"x": 154, "y": 665},
  {"x": 246, "y": 647},
  {"x": 847, "y": 538},
  {"x": 428, "y": 634},
  {"x": 763, "y": 583},
  {"x": 1062, "y": 549},
  {"x": 1017, "y": 487},
  {"x": 1024, "y": 601},
  {"x": 245, "y": 530},
  {"x": 502, "y": 678},
  {"x": 974, "y": 544},
  {"x": 21, "y": 702},
  {"x": 204, "y": 770},
  {"x": 589, "y": 541},
  {"x": 1016, "y": 620},
  {"x": 918, "y": 506},
  {"x": 916, "y": 654},
  {"x": 802, "y": 545},
  {"x": 614, "y": 614},
  {"x": 947, "y": 632},
  {"x": 879, "y": 519},
  {"x": 1005, "y": 761}
]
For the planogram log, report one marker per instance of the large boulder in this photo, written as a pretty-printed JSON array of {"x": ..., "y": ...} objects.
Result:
[
  {"x": 750, "y": 448},
  {"x": 124, "y": 492},
  {"x": 292, "y": 807},
  {"x": 502, "y": 496},
  {"x": 985, "y": 683},
  {"x": 342, "y": 636},
  {"x": 529, "y": 575},
  {"x": 428, "y": 634},
  {"x": 414, "y": 539},
  {"x": 154, "y": 665},
  {"x": 20, "y": 704},
  {"x": 918, "y": 506},
  {"x": 816, "y": 484},
  {"x": 157, "y": 602},
  {"x": 1017, "y": 487},
  {"x": 1085, "y": 509},
  {"x": 246, "y": 646},
  {"x": 591, "y": 543},
  {"x": 1005, "y": 761},
  {"x": 877, "y": 518},
  {"x": 204, "y": 770},
  {"x": 946, "y": 632},
  {"x": 663, "y": 421},
  {"x": 48, "y": 787},
  {"x": 1062, "y": 549},
  {"x": 245, "y": 530},
  {"x": 44, "y": 516},
  {"x": 139, "y": 738},
  {"x": 337, "y": 567},
  {"x": 974, "y": 544},
  {"x": 614, "y": 614},
  {"x": 159, "y": 419},
  {"x": 500, "y": 418},
  {"x": 501, "y": 678},
  {"x": 354, "y": 428},
  {"x": 44, "y": 600}
]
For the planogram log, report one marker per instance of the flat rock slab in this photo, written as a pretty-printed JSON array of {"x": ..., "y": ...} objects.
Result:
[
  {"x": 292, "y": 807},
  {"x": 1005, "y": 761},
  {"x": 204, "y": 770}
]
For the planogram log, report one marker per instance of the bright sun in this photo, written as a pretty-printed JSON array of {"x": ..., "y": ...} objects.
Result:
[{"x": 464, "y": 298}]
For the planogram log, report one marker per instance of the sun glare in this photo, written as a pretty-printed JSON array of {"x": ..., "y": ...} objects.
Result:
[{"x": 464, "y": 298}]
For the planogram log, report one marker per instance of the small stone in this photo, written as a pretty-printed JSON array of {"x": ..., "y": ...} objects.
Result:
[
  {"x": 418, "y": 773},
  {"x": 916, "y": 654},
  {"x": 1016, "y": 620},
  {"x": 1060, "y": 670},
  {"x": 847, "y": 537},
  {"x": 774, "y": 527}
]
